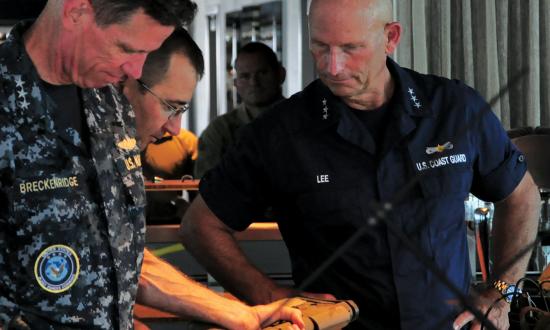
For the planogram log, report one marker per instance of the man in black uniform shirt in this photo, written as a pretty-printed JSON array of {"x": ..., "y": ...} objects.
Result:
[{"x": 369, "y": 131}]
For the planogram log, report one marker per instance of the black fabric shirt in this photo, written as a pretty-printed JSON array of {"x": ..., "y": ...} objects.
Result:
[
  {"x": 375, "y": 121},
  {"x": 69, "y": 113}
]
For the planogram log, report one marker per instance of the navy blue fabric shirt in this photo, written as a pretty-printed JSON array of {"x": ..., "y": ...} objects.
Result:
[{"x": 317, "y": 164}]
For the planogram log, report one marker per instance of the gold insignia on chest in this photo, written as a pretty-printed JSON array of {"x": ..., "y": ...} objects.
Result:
[{"x": 127, "y": 144}]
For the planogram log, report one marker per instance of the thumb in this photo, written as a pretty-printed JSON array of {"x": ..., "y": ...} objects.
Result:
[{"x": 463, "y": 319}]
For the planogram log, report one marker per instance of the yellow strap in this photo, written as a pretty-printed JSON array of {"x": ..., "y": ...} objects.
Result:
[{"x": 168, "y": 250}]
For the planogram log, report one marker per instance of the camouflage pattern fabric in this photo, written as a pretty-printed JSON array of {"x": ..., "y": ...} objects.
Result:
[{"x": 72, "y": 218}]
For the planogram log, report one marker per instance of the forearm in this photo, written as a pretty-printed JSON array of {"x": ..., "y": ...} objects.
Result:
[
  {"x": 163, "y": 287},
  {"x": 213, "y": 244},
  {"x": 220, "y": 254},
  {"x": 515, "y": 230},
  {"x": 184, "y": 297}
]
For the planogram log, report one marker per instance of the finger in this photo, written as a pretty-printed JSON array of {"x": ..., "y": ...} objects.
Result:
[
  {"x": 276, "y": 311},
  {"x": 295, "y": 327},
  {"x": 292, "y": 314},
  {"x": 462, "y": 319},
  {"x": 297, "y": 318}
]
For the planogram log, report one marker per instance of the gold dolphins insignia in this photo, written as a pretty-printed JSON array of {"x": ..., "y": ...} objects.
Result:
[
  {"x": 127, "y": 144},
  {"x": 439, "y": 148}
]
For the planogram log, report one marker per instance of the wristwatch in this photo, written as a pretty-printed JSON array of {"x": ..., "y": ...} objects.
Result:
[{"x": 507, "y": 290}]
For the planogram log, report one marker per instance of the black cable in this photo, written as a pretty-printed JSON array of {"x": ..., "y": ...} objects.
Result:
[
  {"x": 537, "y": 285},
  {"x": 515, "y": 295}
]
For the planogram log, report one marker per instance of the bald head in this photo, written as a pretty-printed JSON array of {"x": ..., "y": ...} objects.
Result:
[{"x": 381, "y": 10}]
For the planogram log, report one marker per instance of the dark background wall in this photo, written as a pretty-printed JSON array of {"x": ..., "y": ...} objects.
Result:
[{"x": 11, "y": 10}]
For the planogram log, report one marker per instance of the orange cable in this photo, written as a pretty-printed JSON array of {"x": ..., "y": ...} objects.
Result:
[{"x": 481, "y": 256}]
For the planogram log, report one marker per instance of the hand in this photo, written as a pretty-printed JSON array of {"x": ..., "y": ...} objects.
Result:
[
  {"x": 264, "y": 315},
  {"x": 245, "y": 317},
  {"x": 277, "y": 310},
  {"x": 498, "y": 315}
]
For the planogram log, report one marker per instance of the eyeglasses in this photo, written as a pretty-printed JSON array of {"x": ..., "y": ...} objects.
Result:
[{"x": 170, "y": 109}]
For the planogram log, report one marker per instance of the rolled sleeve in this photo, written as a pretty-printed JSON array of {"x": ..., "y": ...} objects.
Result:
[
  {"x": 502, "y": 181},
  {"x": 500, "y": 165}
]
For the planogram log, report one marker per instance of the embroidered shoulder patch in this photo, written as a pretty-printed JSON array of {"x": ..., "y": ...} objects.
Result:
[{"x": 57, "y": 268}]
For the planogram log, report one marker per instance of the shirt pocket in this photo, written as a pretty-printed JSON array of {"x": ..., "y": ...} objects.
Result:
[
  {"x": 447, "y": 181},
  {"x": 331, "y": 215},
  {"x": 443, "y": 224},
  {"x": 330, "y": 202}
]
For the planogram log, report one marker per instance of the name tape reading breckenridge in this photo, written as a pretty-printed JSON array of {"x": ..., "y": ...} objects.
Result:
[{"x": 48, "y": 184}]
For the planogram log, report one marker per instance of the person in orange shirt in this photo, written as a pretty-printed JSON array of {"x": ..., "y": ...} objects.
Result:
[
  {"x": 173, "y": 157},
  {"x": 170, "y": 157}
]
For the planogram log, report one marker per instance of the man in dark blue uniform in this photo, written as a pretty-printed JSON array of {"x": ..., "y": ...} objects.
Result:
[{"x": 368, "y": 133}]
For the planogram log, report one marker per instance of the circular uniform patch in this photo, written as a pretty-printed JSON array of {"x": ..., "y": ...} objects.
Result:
[{"x": 56, "y": 268}]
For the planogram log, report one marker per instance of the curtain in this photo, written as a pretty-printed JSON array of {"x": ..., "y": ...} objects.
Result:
[{"x": 488, "y": 44}]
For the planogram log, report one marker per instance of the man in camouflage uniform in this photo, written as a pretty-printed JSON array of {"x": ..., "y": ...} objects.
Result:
[{"x": 71, "y": 221}]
